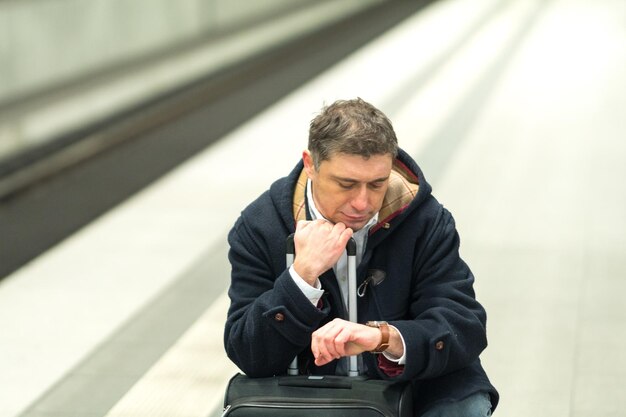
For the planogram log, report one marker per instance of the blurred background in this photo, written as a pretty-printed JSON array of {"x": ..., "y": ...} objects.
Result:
[{"x": 132, "y": 133}]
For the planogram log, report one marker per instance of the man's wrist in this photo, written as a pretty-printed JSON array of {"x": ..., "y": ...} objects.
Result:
[
  {"x": 305, "y": 274},
  {"x": 397, "y": 347},
  {"x": 383, "y": 326},
  {"x": 312, "y": 292}
]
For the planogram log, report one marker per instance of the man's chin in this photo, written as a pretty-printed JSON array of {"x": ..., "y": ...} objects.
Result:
[{"x": 355, "y": 225}]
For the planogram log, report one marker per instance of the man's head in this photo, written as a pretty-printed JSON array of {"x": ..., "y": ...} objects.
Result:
[
  {"x": 352, "y": 127},
  {"x": 352, "y": 146}
]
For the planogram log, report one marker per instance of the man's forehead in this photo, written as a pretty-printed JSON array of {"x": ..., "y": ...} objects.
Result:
[
  {"x": 357, "y": 167},
  {"x": 347, "y": 157}
]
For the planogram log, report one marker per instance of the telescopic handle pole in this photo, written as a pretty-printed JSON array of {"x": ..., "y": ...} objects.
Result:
[
  {"x": 291, "y": 254},
  {"x": 353, "y": 367}
]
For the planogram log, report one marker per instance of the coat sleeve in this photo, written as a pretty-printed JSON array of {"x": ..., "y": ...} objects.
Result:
[
  {"x": 446, "y": 329},
  {"x": 270, "y": 320}
]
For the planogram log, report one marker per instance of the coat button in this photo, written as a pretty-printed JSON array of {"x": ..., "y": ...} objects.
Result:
[
  {"x": 279, "y": 317},
  {"x": 439, "y": 345}
]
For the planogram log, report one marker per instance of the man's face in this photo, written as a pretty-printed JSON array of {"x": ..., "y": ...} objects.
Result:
[{"x": 349, "y": 188}]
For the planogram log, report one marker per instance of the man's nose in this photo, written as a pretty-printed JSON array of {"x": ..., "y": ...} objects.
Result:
[{"x": 360, "y": 200}]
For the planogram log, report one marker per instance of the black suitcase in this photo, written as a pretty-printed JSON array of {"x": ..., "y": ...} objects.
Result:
[{"x": 328, "y": 395}]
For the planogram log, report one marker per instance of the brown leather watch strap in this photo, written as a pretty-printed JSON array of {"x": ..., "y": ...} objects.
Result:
[{"x": 384, "y": 330}]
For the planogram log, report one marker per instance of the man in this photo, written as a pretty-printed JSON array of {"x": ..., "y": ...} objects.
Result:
[{"x": 354, "y": 181}]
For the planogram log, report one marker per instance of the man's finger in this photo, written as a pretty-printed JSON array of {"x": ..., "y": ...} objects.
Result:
[
  {"x": 301, "y": 224},
  {"x": 345, "y": 235}
]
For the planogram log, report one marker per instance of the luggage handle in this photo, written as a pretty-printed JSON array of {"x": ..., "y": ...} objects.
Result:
[
  {"x": 353, "y": 368},
  {"x": 318, "y": 381}
]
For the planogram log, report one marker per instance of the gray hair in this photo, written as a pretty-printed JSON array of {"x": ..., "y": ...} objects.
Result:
[{"x": 353, "y": 127}]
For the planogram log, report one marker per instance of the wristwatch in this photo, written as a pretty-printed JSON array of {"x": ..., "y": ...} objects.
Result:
[{"x": 384, "y": 330}]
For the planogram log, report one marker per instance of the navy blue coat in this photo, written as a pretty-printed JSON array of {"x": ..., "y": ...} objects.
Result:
[{"x": 427, "y": 294}]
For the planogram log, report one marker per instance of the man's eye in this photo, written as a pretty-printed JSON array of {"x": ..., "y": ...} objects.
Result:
[
  {"x": 376, "y": 185},
  {"x": 345, "y": 186}
]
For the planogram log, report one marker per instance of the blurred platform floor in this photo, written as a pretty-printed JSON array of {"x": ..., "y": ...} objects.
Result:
[{"x": 515, "y": 111}]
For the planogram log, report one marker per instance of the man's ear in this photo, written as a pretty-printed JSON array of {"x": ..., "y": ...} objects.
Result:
[{"x": 309, "y": 166}]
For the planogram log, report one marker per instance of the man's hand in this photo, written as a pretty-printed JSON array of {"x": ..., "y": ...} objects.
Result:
[
  {"x": 319, "y": 244},
  {"x": 342, "y": 338}
]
